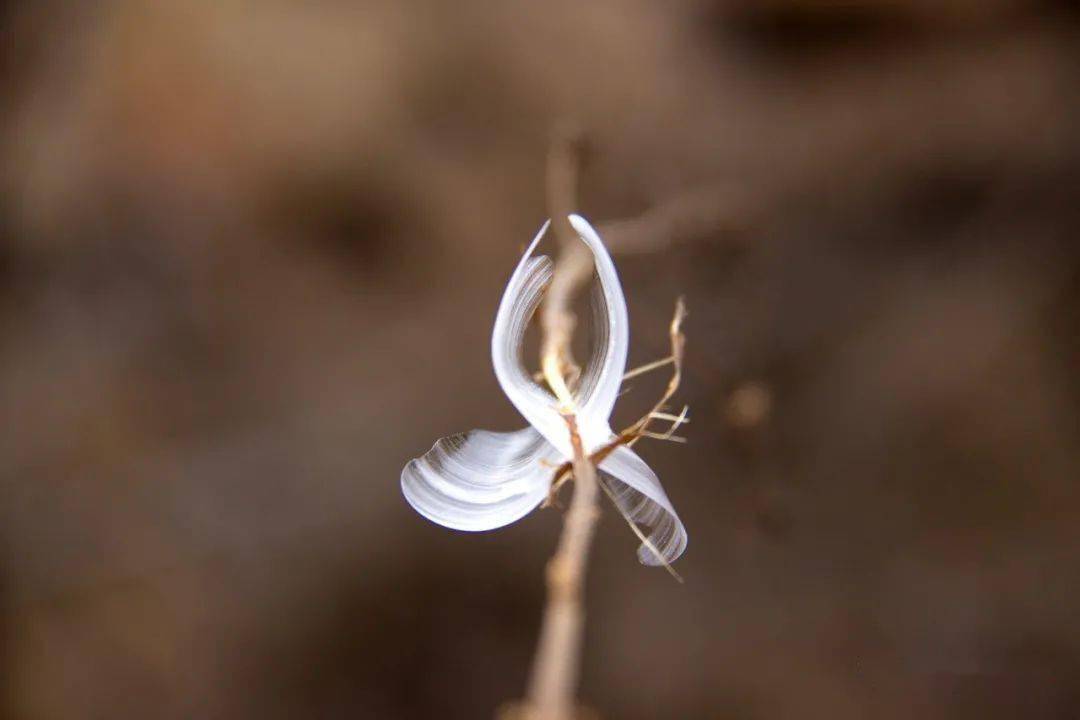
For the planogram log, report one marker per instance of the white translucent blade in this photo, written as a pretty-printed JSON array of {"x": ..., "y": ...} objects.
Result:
[
  {"x": 480, "y": 480},
  {"x": 603, "y": 375},
  {"x": 641, "y": 499},
  {"x": 519, "y": 302}
]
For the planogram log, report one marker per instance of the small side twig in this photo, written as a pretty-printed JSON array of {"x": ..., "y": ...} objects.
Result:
[
  {"x": 573, "y": 267},
  {"x": 687, "y": 217},
  {"x": 678, "y": 348},
  {"x": 640, "y": 429}
]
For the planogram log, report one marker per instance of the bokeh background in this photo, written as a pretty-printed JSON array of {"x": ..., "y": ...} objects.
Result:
[{"x": 250, "y": 254}]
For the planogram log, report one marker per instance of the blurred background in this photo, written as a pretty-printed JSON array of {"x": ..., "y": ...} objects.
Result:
[{"x": 250, "y": 254}]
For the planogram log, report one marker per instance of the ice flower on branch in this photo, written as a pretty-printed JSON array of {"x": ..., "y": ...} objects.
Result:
[{"x": 481, "y": 480}]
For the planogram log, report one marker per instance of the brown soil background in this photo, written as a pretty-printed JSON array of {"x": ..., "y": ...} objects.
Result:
[{"x": 251, "y": 253}]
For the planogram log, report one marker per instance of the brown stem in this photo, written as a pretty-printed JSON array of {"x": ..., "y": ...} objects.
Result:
[
  {"x": 558, "y": 653},
  {"x": 553, "y": 686}
]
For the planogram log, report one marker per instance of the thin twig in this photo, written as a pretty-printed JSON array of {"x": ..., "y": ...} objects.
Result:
[
  {"x": 663, "y": 436},
  {"x": 648, "y": 367},
  {"x": 679, "y": 419},
  {"x": 684, "y": 218},
  {"x": 640, "y": 429},
  {"x": 573, "y": 267},
  {"x": 558, "y": 654},
  {"x": 678, "y": 347},
  {"x": 553, "y": 686}
]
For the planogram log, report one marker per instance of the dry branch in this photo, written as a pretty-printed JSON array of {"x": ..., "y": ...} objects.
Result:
[
  {"x": 558, "y": 655},
  {"x": 553, "y": 685},
  {"x": 687, "y": 217}
]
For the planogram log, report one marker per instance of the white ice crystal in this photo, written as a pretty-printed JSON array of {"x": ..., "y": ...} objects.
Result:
[{"x": 481, "y": 480}]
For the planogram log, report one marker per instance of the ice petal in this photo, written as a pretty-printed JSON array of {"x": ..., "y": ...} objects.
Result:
[
  {"x": 480, "y": 480},
  {"x": 519, "y": 302},
  {"x": 641, "y": 499},
  {"x": 603, "y": 375}
]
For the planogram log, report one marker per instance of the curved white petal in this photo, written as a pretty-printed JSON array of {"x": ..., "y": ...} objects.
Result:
[
  {"x": 640, "y": 497},
  {"x": 599, "y": 332},
  {"x": 520, "y": 300},
  {"x": 480, "y": 480},
  {"x": 603, "y": 376}
]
